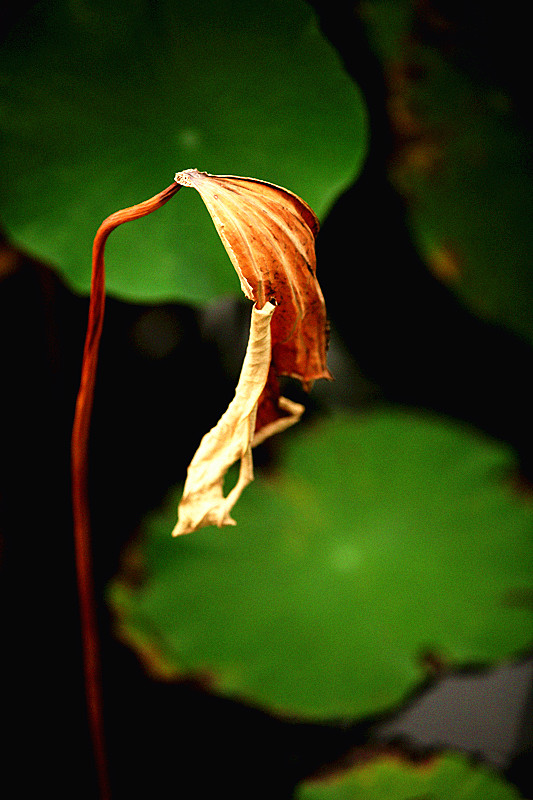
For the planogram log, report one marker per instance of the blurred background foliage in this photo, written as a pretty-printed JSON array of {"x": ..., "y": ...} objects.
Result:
[
  {"x": 387, "y": 541},
  {"x": 369, "y": 529},
  {"x": 130, "y": 93},
  {"x": 439, "y": 778}
]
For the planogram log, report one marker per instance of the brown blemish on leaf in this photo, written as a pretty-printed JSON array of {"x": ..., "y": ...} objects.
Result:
[
  {"x": 151, "y": 652},
  {"x": 443, "y": 261},
  {"x": 433, "y": 662},
  {"x": 520, "y": 597},
  {"x": 365, "y": 756},
  {"x": 418, "y": 149},
  {"x": 9, "y": 259}
]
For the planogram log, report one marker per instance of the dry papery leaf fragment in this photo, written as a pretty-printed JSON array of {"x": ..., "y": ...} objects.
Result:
[{"x": 269, "y": 234}]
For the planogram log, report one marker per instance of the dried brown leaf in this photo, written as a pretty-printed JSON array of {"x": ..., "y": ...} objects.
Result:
[
  {"x": 269, "y": 234},
  {"x": 231, "y": 439}
]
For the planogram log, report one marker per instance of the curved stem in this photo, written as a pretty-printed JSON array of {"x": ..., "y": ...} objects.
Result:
[{"x": 79, "y": 467}]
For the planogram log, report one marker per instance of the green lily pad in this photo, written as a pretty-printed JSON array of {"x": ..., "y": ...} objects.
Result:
[
  {"x": 441, "y": 778},
  {"x": 101, "y": 103},
  {"x": 462, "y": 162},
  {"x": 377, "y": 538}
]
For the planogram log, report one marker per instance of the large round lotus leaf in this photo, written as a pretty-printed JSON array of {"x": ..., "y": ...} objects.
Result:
[
  {"x": 442, "y": 778},
  {"x": 101, "y": 103},
  {"x": 463, "y": 159},
  {"x": 375, "y": 539}
]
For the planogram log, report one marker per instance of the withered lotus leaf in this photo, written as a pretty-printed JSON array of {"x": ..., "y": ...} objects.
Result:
[
  {"x": 269, "y": 234},
  {"x": 203, "y": 502}
]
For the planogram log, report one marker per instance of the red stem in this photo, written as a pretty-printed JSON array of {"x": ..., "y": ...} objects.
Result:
[{"x": 80, "y": 501}]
